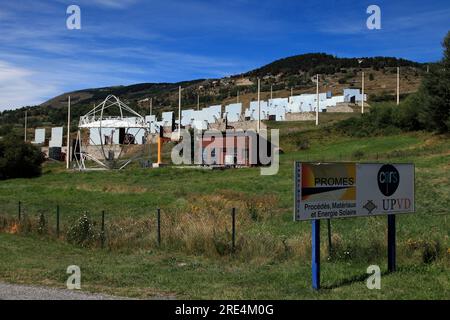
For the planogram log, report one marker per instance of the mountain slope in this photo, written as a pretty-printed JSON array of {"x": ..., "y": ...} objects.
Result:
[
  {"x": 293, "y": 73},
  {"x": 321, "y": 63}
]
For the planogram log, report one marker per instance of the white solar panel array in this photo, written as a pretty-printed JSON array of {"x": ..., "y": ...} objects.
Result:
[
  {"x": 139, "y": 135},
  {"x": 252, "y": 112},
  {"x": 234, "y": 112},
  {"x": 167, "y": 119},
  {"x": 152, "y": 122},
  {"x": 308, "y": 102},
  {"x": 39, "y": 136},
  {"x": 99, "y": 136},
  {"x": 187, "y": 116},
  {"x": 56, "y": 138},
  {"x": 302, "y": 103},
  {"x": 213, "y": 113},
  {"x": 277, "y": 108},
  {"x": 353, "y": 93}
]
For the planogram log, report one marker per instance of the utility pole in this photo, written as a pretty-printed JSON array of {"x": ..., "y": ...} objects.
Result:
[
  {"x": 68, "y": 135},
  {"x": 150, "y": 126},
  {"x": 398, "y": 85},
  {"x": 271, "y": 92},
  {"x": 198, "y": 102},
  {"x": 292, "y": 91},
  {"x": 237, "y": 97},
  {"x": 362, "y": 96},
  {"x": 26, "y": 119},
  {"x": 318, "y": 101},
  {"x": 259, "y": 104},
  {"x": 179, "y": 113},
  {"x": 151, "y": 105}
]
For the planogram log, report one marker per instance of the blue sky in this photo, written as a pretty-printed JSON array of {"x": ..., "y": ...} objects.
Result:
[{"x": 131, "y": 41}]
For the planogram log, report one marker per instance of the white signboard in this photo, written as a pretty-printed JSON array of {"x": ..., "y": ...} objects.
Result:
[
  {"x": 56, "y": 138},
  {"x": 340, "y": 190}
]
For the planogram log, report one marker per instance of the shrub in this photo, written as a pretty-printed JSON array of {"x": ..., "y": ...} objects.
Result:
[
  {"x": 19, "y": 159},
  {"x": 408, "y": 113},
  {"x": 303, "y": 144},
  {"x": 383, "y": 119},
  {"x": 83, "y": 232},
  {"x": 358, "y": 154},
  {"x": 42, "y": 224}
]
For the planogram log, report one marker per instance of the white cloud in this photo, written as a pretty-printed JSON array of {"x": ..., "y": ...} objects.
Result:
[
  {"x": 17, "y": 87},
  {"x": 114, "y": 4}
]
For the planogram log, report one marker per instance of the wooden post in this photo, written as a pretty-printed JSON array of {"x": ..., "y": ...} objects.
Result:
[
  {"x": 318, "y": 101},
  {"x": 159, "y": 226},
  {"x": 259, "y": 104},
  {"x": 68, "y": 135},
  {"x": 57, "y": 221},
  {"x": 233, "y": 224},
  {"x": 103, "y": 230},
  {"x": 179, "y": 113},
  {"x": 362, "y": 94}
]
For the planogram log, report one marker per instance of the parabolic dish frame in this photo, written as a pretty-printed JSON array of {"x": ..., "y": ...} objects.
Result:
[{"x": 94, "y": 156}]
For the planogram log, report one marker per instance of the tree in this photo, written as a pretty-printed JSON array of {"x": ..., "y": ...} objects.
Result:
[
  {"x": 435, "y": 94},
  {"x": 19, "y": 159}
]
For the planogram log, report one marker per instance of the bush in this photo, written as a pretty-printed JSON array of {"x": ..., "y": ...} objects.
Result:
[
  {"x": 303, "y": 144},
  {"x": 408, "y": 113},
  {"x": 385, "y": 119},
  {"x": 19, "y": 159},
  {"x": 42, "y": 224},
  {"x": 83, "y": 232},
  {"x": 358, "y": 154}
]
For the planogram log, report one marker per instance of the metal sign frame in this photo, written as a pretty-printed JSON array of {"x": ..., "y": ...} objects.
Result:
[
  {"x": 297, "y": 164},
  {"x": 315, "y": 225}
]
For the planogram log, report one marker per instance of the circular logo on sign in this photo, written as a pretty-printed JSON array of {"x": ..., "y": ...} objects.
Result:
[{"x": 388, "y": 179}]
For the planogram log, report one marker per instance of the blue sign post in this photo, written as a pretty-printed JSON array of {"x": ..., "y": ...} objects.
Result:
[
  {"x": 342, "y": 190},
  {"x": 315, "y": 254},
  {"x": 392, "y": 265}
]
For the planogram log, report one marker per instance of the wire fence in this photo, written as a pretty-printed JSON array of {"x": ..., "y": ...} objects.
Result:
[
  {"x": 100, "y": 229},
  {"x": 227, "y": 231}
]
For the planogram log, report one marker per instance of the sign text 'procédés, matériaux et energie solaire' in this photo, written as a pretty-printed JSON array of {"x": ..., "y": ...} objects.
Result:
[{"x": 339, "y": 190}]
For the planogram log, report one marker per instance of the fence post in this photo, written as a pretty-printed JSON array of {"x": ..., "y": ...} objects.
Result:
[
  {"x": 57, "y": 221},
  {"x": 102, "y": 236},
  {"x": 20, "y": 210},
  {"x": 233, "y": 232},
  {"x": 159, "y": 225}
]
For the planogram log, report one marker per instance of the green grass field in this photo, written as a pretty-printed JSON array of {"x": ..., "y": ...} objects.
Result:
[{"x": 273, "y": 257}]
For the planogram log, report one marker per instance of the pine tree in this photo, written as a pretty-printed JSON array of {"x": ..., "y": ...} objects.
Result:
[{"x": 435, "y": 94}]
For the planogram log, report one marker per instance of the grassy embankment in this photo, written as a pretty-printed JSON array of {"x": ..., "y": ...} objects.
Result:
[{"x": 273, "y": 253}]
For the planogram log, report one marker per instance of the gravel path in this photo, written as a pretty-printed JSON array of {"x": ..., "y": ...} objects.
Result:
[{"x": 21, "y": 292}]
